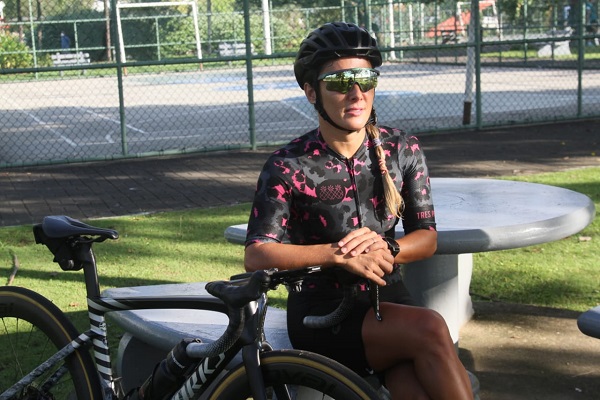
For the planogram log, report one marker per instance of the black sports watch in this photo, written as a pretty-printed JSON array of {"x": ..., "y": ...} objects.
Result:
[{"x": 393, "y": 246}]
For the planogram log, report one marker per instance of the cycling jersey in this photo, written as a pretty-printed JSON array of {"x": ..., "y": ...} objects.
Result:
[{"x": 309, "y": 194}]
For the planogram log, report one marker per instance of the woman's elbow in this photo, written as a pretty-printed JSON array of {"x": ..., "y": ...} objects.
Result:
[
  {"x": 252, "y": 258},
  {"x": 432, "y": 248}
]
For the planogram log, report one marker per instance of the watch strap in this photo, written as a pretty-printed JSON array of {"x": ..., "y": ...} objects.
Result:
[{"x": 393, "y": 246}]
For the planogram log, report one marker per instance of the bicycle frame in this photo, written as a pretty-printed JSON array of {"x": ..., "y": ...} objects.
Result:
[
  {"x": 206, "y": 370},
  {"x": 245, "y": 306}
]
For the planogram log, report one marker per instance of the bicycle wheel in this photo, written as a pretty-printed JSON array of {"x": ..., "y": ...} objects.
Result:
[
  {"x": 31, "y": 330},
  {"x": 299, "y": 375}
]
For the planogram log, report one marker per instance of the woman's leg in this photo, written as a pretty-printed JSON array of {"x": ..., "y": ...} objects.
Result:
[
  {"x": 419, "y": 336},
  {"x": 402, "y": 383}
]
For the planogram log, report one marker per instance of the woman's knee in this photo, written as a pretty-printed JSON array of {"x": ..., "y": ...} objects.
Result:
[{"x": 432, "y": 329}]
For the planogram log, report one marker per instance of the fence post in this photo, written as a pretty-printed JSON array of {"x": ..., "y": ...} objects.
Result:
[
  {"x": 580, "y": 52},
  {"x": 478, "y": 38},
  {"x": 249, "y": 76},
  {"x": 119, "y": 55}
]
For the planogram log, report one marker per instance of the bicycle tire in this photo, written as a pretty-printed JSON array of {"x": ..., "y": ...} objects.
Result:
[
  {"x": 32, "y": 329},
  {"x": 296, "y": 370}
]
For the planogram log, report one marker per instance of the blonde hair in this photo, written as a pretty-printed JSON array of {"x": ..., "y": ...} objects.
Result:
[{"x": 393, "y": 199}]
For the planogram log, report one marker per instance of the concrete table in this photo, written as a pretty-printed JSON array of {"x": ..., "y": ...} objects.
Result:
[{"x": 477, "y": 215}]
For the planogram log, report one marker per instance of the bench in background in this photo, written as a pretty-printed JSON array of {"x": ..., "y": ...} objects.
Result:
[
  {"x": 68, "y": 59},
  {"x": 233, "y": 49}
]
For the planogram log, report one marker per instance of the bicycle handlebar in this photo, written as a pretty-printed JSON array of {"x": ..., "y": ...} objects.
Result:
[{"x": 245, "y": 288}]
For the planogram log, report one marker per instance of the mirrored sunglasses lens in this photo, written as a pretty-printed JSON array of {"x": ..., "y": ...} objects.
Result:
[{"x": 343, "y": 81}]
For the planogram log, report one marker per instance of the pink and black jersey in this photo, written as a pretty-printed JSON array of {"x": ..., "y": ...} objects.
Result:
[{"x": 309, "y": 194}]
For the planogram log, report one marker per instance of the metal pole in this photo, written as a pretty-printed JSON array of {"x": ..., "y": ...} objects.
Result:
[
  {"x": 119, "y": 57},
  {"x": 157, "y": 34},
  {"x": 32, "y": 29},
  {"x": 391, "y": 29},
  {"x": 250, "y": 79},
  {"x": 580, "y": 54},
  {"x": 196, "y": 30},
  {"x": 120, "y": 44},
  {"x": 478, "y": 38},
  {"x": 470, "y": 70},
  {"x": 267, "y": 26}
]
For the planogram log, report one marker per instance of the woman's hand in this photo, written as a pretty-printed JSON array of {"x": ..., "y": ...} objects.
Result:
[
  {"x": 366, "y": 254},
  {"x": 360, "y": 241},
  {"x": 372, "y": 265}
]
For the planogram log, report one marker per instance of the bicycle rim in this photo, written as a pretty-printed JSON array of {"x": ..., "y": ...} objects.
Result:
[
  {"x": 296, "y": 375},
  {"x": 31, "y": 330}
]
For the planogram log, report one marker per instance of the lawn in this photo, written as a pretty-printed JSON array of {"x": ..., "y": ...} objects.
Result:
[{"x": 189, "y": 246}]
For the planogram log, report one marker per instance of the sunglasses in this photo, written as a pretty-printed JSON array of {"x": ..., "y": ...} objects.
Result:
[{"x": 343, "y": 81}]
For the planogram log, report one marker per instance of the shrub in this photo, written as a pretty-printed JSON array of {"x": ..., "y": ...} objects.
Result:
[{"x": 14, "y": 53}]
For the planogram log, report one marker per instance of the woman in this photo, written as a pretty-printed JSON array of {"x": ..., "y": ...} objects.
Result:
[{"x": 332, "y": 198}]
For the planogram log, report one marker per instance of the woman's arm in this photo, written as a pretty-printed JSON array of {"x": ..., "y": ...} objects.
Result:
[
  {"x": 414, "y": 246},
  {"x": 372, "y": 265},
  {"x": 417, "y": 245}
]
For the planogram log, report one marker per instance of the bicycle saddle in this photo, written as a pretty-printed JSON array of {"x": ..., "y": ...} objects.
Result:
[{"x": 61, "y": 226}]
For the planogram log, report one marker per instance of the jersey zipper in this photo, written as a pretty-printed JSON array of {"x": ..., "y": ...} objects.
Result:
[{"x": 350, "y": 167}]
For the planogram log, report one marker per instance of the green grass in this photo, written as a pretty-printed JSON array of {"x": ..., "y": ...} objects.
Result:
[
  {"x": 562, "y": 274},
  {"x": 189, "y": 246}
]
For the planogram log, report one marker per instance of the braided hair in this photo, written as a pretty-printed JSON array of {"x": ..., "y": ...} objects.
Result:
[{"x": 393, "y": 199}]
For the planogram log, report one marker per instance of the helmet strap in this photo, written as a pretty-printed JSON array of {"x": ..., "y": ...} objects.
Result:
[{"x": 321, "y": 110}]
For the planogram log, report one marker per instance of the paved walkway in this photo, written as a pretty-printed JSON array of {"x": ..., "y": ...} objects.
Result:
[
  {"x": 103, "y": 189},
  {"x": 517, "y": 352}
]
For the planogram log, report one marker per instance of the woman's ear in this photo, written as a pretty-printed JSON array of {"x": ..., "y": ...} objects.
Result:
[{"x": 310, "y": 93}]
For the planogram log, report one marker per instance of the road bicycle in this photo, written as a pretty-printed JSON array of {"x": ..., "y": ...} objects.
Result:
[{"x": 45, "y": 357}]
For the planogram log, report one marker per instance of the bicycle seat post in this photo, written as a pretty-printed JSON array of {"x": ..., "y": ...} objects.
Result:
[{"x": 90, "y": 271}]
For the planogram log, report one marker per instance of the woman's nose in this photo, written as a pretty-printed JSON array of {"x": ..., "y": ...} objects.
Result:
[{"x": 355, "y": 90}]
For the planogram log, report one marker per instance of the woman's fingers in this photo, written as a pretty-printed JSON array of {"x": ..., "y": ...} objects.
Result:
[
  {"x": 373, "y": 265},
  {"x": 360, "y": 241}
]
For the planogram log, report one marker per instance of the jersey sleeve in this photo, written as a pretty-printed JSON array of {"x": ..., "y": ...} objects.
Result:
[
  {"x": 418, "y": 211},
  {"x": 271, "y": 206}
]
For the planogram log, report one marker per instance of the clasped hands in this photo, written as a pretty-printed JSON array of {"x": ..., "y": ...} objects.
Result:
[{"x": 366, "y": 254}]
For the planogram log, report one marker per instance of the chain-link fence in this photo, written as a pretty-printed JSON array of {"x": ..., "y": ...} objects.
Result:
[{"x": 95, "y": 80}]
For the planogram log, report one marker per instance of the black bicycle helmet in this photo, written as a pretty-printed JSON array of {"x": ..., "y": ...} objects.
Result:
[{"x": 330, "y": 41}]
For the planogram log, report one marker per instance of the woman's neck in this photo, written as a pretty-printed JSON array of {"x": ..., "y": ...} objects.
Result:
[{"x": 343, "y": 143}]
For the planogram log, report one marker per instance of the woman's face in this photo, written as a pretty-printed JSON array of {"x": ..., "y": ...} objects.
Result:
[{"x": 352, "y": 109}]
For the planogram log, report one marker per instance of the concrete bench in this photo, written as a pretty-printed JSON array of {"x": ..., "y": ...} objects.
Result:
[
  {"x": 589, "y": 322},
  {"x": 68, "y": 59},
  {"x": 233, "y": 49},
  {"x": 150, "y": 334},
  {"x": 555, "y": 48},
  {"x": 561, "y": 48}
]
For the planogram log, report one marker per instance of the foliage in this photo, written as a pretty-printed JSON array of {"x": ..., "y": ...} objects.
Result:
[
  {"x": 14, "y": 53},
  {"x": 43, "y": 9},
  {"x": 90, "y": 29}
]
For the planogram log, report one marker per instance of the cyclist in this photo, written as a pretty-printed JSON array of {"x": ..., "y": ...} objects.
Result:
[{"x": 332, "y": 197}]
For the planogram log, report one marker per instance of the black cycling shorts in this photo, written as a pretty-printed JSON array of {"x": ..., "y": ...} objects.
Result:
[{"x": 343, "y": 342}]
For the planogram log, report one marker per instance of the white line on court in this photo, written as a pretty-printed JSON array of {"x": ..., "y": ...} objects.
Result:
[
  {"x": 95, "y": 114},
  {"x": 57, "y": 133},
  {"x": 311, "y": 117}
]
